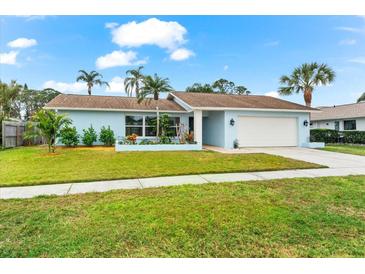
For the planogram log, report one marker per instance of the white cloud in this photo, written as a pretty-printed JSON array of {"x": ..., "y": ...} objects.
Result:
[
  {"x": 359, "y": 60},
  {"x": 347, "y": 42},
  {"x": 111, "y": 25},
  {"x": 74, "y": 87},
  {"x": 226, "y": 67},
  {"x": 181, "y": 54},
  {"x": 116, "y": 85},
  {"x": 167, "y": 35},
  {"x": 274, "y": 94},
  {"x": 351, "y": 29},
  {"x": 272, "y": 44},
  {"x": 33, "y": 17},
  {"x": 118, "y": 58},
  {"x": 22, "y": 43},
  {"x": 8, "y": 58}
]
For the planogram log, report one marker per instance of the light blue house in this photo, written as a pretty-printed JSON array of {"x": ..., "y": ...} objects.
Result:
[{"x": 215, "y": 119}]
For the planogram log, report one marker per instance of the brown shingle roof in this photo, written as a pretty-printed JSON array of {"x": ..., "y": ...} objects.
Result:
[
  {"x": 340, "y": 112},
  {"x": 217, "y": 100},
  {"x": 71, "y": 101}
]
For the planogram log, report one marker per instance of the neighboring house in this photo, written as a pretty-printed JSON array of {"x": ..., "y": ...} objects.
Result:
[
  {"x": 341, "y": 117},
  {"x": 216, "y": 119}
]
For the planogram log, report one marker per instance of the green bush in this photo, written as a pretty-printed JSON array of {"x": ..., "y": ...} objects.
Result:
[
  {"x": 89, "y": 136},
  {"x": 324, "y": 135},
  {"x": 334, "y": 136},
  {"x": 69, "y": 136},
  {"x": 354, "y": 137},
  {"x": 107, "y": 136}
]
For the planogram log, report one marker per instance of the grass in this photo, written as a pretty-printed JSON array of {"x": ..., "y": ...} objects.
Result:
[
  {"x": 349, "y": 149},
  {"x": 33, "y": 165},
  {"x": 321, "y": 217}
]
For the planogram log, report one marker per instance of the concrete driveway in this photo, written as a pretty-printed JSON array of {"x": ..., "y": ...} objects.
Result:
[
  {"x": 327, "y": 158},
  {"x": 321, "y": 157}
]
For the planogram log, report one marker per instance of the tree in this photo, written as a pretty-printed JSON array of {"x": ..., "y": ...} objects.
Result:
[
  {"x": 305, "y": 78},
  {"x": 134, "y": 82},
  {"x": 48, "y": 125},
  {"x": 8, "y": 95},
  {"x": 154, "y": 86},
  {"x": 242, "y": 90},
  {"x": 220, "y": 86},
  {"x": 224, "y": 86},
  {"x": 91, "y": 79},
  {"x": 32, "y": 100},
  {"x": 361, "y": 98},
  {"x": 197, "y": 87}
]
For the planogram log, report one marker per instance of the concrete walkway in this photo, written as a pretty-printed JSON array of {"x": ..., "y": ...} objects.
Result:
[{"x": 103, "y": 186}]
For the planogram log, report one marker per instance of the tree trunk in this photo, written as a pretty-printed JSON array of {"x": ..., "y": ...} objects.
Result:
[
  {"x": 308, "y": 97},
  {"x": 157, "y": 122},
  {"x": 155, "y": 96},
  {"x": 89, "y": 89},
  {"x": 137, "y": 89}
]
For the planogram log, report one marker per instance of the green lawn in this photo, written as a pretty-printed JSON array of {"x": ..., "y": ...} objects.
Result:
[
  {"x": 349, "y": 149},
  {"x": 33, "y": 165},
  {"x": 322, "y": 217}
]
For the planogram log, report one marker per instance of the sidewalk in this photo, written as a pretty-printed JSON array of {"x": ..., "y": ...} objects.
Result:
[{"x": 103, "y": 186}]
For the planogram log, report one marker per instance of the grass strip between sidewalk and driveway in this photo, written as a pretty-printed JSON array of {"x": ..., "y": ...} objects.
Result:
[
  {"x": 311, "y": 217},
  {"x": 35, "y": 166},
  {"x": 348, "y": 149}
]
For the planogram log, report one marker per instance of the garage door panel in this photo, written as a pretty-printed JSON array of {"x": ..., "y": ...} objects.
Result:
[{"x": 267, "y": 131}]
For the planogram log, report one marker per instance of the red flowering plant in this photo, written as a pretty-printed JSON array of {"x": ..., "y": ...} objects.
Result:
[{"x": 132, "y": 138}]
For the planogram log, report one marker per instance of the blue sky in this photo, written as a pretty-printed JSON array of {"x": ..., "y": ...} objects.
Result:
[{"x": 253, "y": 51}]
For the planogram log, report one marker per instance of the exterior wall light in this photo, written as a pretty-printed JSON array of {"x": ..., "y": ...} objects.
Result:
[
  {"x": 305, "y": 123},
  {"x": 231, "y": 122}
]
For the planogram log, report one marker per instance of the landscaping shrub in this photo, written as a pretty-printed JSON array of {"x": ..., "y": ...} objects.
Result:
[
  {"x": 324, "y": 135},
  {"x": 107, "y": 136},
  {"x": 333, "y": 136},
  {"x": 69, "y": 136},
  {"x": 89, "y": 136},
  {"x": 354, "y": 137}
]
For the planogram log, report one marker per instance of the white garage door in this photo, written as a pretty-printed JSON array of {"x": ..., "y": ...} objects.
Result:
[{"x": 267, "y": 131}]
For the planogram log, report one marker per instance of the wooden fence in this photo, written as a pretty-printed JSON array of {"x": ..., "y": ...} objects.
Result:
[{"x": 12, "y": 135}]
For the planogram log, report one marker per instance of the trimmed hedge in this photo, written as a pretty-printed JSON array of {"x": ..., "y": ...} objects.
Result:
[{"x": 334, "y": 136}]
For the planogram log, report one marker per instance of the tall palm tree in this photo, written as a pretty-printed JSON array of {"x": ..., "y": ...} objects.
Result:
[
  {"x": 153, "y": 86},
  {"x": 305, "y": 78},
  {"x": 91, "y": 79},
  {"x": 133, "y": 82}
]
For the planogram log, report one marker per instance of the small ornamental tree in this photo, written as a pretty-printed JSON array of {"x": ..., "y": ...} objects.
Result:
[
  {"x": 89, "y": 136},
  {"x": 69, "y": 136},
  {"x": 107, "y": 136},
  {"x": 47, "y": 123}
]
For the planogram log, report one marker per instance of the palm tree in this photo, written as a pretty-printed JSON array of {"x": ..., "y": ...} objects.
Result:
[
  {"x": 91, "y": 79},
  {"x": 305, "y": 78},
  {"x": 153, "y": 86},
  {"x": 47, "y": 123},
  {"x": 133, "y": 82},
  {"x": 361, "y": 98}
]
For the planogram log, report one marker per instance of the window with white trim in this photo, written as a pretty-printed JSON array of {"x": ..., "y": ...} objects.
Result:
[
  {"x": 150, "y": 126},
  {"x": 145, "y": 125},
  {"x": 349, "y": 125},
  {"x": 174, "y": 125},
  {"x": 134, "y": 125}
]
